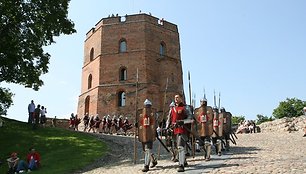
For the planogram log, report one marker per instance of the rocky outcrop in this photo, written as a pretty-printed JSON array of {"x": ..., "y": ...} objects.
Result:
[{"x": 284, "y": 124}]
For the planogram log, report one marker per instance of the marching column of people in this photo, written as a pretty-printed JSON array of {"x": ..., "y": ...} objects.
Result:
[
  {"x": 204, "y": 120},
  {"x": 147, "y": 125},
  {"x": 106, "y": 125},
  {"x": 178, "y": 114},
  {"x": 209, "y": 127},
  {"x": 217, "y": 130}
]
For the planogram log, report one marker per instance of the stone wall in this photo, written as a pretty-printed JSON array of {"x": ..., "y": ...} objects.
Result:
[
  {"x": 62, "y": 123},
  {"x": 284, "y": 124}
]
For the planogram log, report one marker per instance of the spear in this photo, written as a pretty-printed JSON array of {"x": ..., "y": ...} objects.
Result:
[
  {"x": 189, "y": 88},
  {"x": 136, "y": 119},
  {"x": 165, "y": 98},
  {"x": 192, "y": 137},
  {"x": 215, "y": 99},
  {"x": 219, "y": 100},
  {"x": 204, "y": 93}
]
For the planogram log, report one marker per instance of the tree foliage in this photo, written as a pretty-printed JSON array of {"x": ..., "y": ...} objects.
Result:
[
  {"x": 261, "y": 118},
  {"x": 292, "y": 107},
  {"x": 237, "y": 119},
  {"x": 26, "y": 26}
]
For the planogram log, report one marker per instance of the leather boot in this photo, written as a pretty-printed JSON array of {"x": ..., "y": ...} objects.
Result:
[
  {"x": 154, "y": 163},
  {"x": 145, "y": 169},
  {"x": 181, "y": 168}
]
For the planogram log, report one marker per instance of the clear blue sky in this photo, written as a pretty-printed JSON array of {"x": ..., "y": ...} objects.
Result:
[{"x": 252, "y": 52}]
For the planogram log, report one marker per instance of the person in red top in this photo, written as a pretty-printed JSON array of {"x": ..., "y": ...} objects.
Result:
[
  {"x": 176, "y": 118},
  {"x": 33, "y": 159}
]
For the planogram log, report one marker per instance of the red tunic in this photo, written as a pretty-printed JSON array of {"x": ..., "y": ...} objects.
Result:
[{"x": 178, "y": 113}]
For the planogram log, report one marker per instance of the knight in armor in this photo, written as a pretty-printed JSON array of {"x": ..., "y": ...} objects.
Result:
[
  {"x": 204, "y": 118},
  {"x": 217, "y": 130},
  {"x": 170, "y": 139},
  {"x": 179, "y": 113},
  {"x": 227, "y": 127},
  {"x": 86, "y": 121},
  {"x": 147, "y": 134}
]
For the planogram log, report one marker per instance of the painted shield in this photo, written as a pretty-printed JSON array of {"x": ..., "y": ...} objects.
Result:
[
  {"x": 146, "y": 129},
  {"x": 227, "y": 123},
  {"x": 204, "y": 119},
  {"x": 221, "y": 123},
  {"x": 216, "y": 124}
]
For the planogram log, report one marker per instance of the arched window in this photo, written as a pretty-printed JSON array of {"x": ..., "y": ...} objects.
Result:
[
  {"x": 87, "y": 101},
  {"x": 92, "y": 53},
  {"x": 122, "y": 74},
  {"x": 121, "y": 98},
  {"x": 122, "y": 46},
  {"x": 89, "y": 84},
  {"x": 162, "y": 49}
]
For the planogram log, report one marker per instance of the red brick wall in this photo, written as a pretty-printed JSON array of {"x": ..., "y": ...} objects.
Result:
[{"x": 143, "y": 35}]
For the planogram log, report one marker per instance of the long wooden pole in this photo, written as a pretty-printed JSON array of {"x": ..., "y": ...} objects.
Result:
[
  {"x": 165, "y": 98},
  {"x": 189, "y": 88},
  {"x": 219, "y": 104},
  {"x": 192, "y": 137},
  {"x": 136, "y": 119}
]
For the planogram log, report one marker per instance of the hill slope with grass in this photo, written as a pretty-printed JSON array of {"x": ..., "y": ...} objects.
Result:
[{"x": 62, "y": 151}]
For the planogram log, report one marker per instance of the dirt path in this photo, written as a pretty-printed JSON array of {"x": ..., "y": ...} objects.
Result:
[{"x": 254, "y": 153}]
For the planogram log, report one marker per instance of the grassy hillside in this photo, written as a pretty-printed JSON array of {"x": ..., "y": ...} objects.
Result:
[{"x": 62, "y": 151}]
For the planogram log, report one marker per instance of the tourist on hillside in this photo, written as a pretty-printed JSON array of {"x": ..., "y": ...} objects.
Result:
[
  {"x": 54, "y": 122},
  {"x": 36, "y": 117},
  {"x": 12, "y": 163},
  {"x": 15, "y": 165},
  {"x": 33, "y": 159},
  {"x": 43, "y": 118},
  {"x": 31, "y": 109}
]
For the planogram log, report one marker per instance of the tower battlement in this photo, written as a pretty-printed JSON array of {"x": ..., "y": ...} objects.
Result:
[{"x": 143, "y": 17}]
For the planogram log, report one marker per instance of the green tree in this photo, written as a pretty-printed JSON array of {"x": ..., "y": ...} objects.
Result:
[
  {"x": 292, "y": 107},
  {"x": 237, "y": 119},
  {"x": 26, "y": 26},
  {"x": 261, "y": 118}
]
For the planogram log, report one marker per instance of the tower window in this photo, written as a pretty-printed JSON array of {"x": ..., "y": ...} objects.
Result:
[
  {"x": 121, "y": 98},
  {"x": 91, "y": 55},
  {"x": 122, "y": 74},
  {"x": 89, "y": 81},
  {"x": 87, "y": 102},
  {"x": 162, "y": 49},
  {"x": 122, "y": 46}
]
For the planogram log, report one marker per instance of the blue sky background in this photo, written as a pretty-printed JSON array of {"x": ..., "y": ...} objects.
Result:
[{"x": 252, "y": 52}]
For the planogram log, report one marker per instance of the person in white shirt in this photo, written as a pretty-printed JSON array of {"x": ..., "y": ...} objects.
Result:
[
  {"x": 43, "y": 118},
  {"x": 31, "y": 109}
]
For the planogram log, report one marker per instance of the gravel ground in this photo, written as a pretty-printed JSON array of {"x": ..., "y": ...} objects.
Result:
[{"x": 254, "y": 153}]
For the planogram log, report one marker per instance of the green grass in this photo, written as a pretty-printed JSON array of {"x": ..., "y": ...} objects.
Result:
[{"x": 62, "y": 151}]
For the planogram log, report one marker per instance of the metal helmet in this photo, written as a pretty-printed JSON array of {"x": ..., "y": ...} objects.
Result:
[
  {"x": 222, "y": 109},
  {"x": 147, "y": 102},
  {"x": 203, "y": 100},
  {"x": 215, "y": 108}
]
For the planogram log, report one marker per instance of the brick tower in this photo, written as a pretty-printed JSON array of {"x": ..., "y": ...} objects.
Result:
[{"x": 113, "y": 52}]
